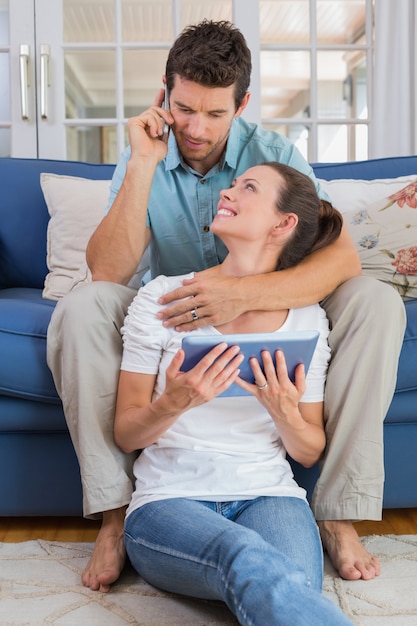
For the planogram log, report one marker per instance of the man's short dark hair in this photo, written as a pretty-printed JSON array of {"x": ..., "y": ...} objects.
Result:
[{"x": 212, "y": 54}]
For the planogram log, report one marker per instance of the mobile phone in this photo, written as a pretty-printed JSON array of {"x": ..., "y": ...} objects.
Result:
[{"x": 165, "y": 133}]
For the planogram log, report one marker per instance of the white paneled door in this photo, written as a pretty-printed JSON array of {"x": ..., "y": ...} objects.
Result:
[{"x": 36, "y": 79}]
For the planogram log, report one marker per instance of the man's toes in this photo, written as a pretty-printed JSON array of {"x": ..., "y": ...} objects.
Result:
[{"x": 349, "y": 572}]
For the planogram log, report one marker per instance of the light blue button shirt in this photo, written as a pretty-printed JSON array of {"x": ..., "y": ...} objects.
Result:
[{"x": 182, "y": 202}]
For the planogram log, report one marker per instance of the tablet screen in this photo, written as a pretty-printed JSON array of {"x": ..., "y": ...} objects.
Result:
[{"x": 298, "y": 347}]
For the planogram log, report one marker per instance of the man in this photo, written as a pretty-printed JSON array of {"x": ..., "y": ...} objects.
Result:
[{"x": 207, "y": 76}]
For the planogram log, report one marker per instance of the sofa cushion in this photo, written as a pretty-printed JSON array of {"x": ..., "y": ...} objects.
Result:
[
  {"x": 24, "y": 216},
  {"x": 385, "y": 234},
  {"x": 76, "y": 206},
  {"x": 19, "y": 415},
  {"x": 24, "y": 319},
  {"x": 386, "y": 167},
  {"x": 356, "y": 194}
]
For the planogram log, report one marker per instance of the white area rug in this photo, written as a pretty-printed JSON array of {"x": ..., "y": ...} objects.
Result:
[{"x": 40, "y": 584}]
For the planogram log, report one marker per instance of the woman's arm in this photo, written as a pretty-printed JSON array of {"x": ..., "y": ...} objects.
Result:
[
  {"x": 140, "y": 421},
  {"x": 303, "y": 433},
  {"x": 300, "y": 425}
]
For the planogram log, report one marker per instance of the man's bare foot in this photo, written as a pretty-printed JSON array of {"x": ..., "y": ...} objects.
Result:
[
  {"x": 109, "y": 554},
  {"x": 346, "y": 552}
]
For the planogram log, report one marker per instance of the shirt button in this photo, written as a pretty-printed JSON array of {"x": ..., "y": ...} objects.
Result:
[
  {"x": 206, "y": 229},
  {"x": 203, "y": 181}
]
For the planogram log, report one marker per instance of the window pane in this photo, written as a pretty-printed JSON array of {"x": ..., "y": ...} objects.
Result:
[
  {"x": 332, "y": 143},
  {"x": 5, "y": 146},
  {"x": 284, "y": 21},
  {"x": 87, "y": 21},
  {"x": 340, "y": 21},
  {"x": 90, "y": 84},
  {"x": 4, "y": 22},
  {"x": 361, "y": 143},
  {"x": 342, "y": 142},
  {"x": 285, "y": 83},
  {"x": 147, "y": 20},
  {"x": 334, "y": 85},
  {"x": 141, "y": 79},
  {"x": 95, "y": 144},
  {"x": 341, "y": 85},
  {"x": 193, "y": 11},
  {"x": 4, "y": 87},
  {"x": 360, "y": 103},
  {"x": 298, "y": 134}
]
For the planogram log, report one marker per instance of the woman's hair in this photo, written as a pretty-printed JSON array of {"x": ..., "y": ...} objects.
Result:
[
  {"x": 212, "y": 54},
  {"x": 319, "y": 223}
]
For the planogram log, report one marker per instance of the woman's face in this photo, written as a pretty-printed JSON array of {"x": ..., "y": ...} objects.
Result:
[{"x": 248, "y": 209}]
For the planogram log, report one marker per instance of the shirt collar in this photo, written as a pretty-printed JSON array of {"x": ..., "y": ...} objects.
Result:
[{"x": 233, "y": 141}]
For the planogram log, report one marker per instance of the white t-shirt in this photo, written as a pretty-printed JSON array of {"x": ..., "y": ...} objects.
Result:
[{"x": 227, "y": 449}]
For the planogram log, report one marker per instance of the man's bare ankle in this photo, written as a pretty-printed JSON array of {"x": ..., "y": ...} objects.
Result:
[{"x": 113, "y": 519}]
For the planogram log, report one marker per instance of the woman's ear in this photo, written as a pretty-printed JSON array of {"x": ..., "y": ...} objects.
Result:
[{"x": 287, "y": 224}]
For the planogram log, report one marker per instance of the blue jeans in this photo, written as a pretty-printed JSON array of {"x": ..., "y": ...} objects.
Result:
[{"x": 262, "y": 557}]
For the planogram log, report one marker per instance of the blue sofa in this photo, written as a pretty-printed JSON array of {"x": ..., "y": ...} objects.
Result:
[{"x": 39, "y": 473}]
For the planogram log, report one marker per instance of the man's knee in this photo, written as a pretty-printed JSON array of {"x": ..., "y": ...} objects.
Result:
[
  {"x": 92, "y": 301},
  {"x": 363, "y": 298}
]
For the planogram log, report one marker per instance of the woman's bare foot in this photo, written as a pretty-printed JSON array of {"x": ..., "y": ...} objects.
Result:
[
  {"x": 346, "y": 552},
  {"x": 109, "y": 554}
]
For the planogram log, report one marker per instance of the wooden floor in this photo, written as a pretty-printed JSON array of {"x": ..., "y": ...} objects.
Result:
[{"x": 13, "y": 530}]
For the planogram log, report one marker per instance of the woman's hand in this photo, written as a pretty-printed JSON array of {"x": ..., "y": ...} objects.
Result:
[
  {"x": 300, "y": 425},
  {"x": 274, "y": 389},
  {"x": 212, "y": 375}
]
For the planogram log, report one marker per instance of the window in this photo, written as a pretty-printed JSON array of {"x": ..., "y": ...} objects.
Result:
[
  {"x": 315, "y": 68},
  {"x": 311, "y": 79},
  {"x": 312, "y": 62}
]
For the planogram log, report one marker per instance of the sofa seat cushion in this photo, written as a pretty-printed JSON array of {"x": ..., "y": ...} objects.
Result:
[
  {"x": 18, "y": 415},
  {"x": 24, "y": 319}
]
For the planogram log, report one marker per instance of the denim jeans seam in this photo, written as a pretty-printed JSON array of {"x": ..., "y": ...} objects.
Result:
[
  {"x": 181, "y": 555},
  {"x": 169, "y": 552}
]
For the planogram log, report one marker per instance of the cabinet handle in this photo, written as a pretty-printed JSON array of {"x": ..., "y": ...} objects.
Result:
[
  {"x": 24, "y": 58},
  {"x": 45, "y": 79}
]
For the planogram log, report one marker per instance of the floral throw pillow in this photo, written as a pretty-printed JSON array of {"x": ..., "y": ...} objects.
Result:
[{"x": 385, "y": 234}]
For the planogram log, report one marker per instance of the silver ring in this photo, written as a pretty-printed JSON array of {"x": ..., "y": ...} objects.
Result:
[
  {"x": 262, "y": 387},
  {"x": 194, "y": 315}
]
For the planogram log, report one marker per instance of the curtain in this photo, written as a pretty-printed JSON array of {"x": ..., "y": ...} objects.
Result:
[{"x": 394, "y": 129}]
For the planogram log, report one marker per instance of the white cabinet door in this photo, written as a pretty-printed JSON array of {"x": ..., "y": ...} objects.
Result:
[
  {"x": 21, "y": 140},
  {"x": 35, "y": 80},
  {"x": 50, "y": 79}
]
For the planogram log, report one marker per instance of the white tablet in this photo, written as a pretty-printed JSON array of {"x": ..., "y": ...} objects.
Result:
[{"x": 298, "y": 347}]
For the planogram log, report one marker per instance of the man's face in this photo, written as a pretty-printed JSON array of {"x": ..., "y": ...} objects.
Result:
[{"x": 203, "y": 116}]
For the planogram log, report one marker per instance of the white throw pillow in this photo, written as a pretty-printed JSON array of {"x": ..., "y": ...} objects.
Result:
[
  {"x": 385, "y": 234},
  {"x": 76, "y": 206},
  {"x": 349, "y": 194}
]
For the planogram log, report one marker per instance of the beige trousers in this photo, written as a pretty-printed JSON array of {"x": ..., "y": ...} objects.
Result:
[{"x": 367, "y": 326}]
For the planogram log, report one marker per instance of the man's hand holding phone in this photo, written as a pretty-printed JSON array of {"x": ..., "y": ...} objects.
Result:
[{"x": 147, "y": 129}]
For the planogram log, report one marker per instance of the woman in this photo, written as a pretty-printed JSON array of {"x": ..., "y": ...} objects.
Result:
[{"x": 216, "y": 512}]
